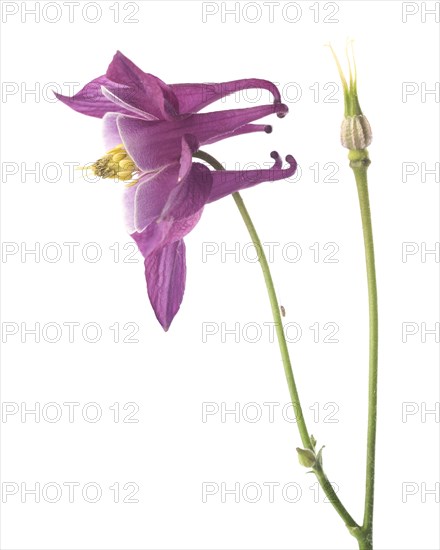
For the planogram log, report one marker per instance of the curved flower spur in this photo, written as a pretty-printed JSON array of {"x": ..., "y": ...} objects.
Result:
[{"x": 153, "y": 130}]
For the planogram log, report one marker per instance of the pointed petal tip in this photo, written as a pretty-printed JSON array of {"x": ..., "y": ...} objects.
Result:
[
  {"x": 118, "y": 55},
  {"x": 164, "y": 322},
  {"x": 63, "y": 98},
  {"x": 165, "y": 272}
]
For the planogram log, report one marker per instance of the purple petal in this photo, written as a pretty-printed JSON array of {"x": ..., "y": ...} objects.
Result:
[
  {"x": 188, "y": 146},
  {"x": 91, "y": 101},
  {"x": 123, "y": 106},
  {"x": 165, "y": 272},
  {"x": 174, "y": 192},
  {"x": 157, "y": 235},
  {"x": 225, "y": 182},
  {"x": 190, "y": 195},
  {"x": 246, "y": 129},
  {"x": 152, "y": 238},
  {"x": 128, "y": 207},
  {"x": 162, "y": 197},
  {"x": 194, "y": 97},
  {"x": 152, "y": 194},
  {"x": 110, "y": 130},
  {"x": 148, "y": 144},
  {"x": 212, "y": 127},
  {"x": 151, "y": 94},
  {"x": 154, "y": 144}
]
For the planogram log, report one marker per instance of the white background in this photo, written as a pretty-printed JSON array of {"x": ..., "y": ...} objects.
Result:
[{"x": 170, "y": 453}]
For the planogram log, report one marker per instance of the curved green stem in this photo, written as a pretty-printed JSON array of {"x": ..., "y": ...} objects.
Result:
[
  {"x": 305, "y": 438},
  {"x": 359, "y": 162},
  {"x": 352, "y": 526}
]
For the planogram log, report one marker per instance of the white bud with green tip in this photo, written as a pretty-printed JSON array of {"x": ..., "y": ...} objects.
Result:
[{"x": 356, "y": 133}]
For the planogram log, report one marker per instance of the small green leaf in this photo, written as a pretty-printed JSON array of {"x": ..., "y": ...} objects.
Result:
[{"x": 319, "y": 456}]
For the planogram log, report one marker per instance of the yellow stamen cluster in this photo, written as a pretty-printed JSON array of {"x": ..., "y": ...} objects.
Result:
[{"x": 115, "y": 164}]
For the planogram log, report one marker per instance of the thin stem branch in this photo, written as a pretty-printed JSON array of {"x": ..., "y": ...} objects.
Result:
[
  {"x": 353, "y": 527},
  {"x": 305, "y": 438}
]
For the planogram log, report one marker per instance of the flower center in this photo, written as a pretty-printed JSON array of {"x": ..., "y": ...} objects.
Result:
[{"x": 116, "y": 163}]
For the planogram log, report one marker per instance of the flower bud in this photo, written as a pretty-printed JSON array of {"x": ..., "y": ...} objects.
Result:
[
  {"x": 356, "y": 132},
  {"x": 306, "y": 457}
]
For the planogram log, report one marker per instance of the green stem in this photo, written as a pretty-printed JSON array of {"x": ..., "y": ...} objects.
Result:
[
  {"x": 352, "y": 526},
  {"x": 305, "y": 438},
  {"x": 359, "y": 162}
]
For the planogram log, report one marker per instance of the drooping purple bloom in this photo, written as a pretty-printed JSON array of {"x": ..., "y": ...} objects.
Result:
[{"x": 160, "y": 128}]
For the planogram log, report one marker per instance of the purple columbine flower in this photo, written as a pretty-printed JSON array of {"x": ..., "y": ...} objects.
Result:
[{"x": 153, "y": 130}]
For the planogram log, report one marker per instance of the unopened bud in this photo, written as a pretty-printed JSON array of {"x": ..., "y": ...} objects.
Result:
[
  {"x": 306, "y": 457},
  {"x": 356, "y": 132}
]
